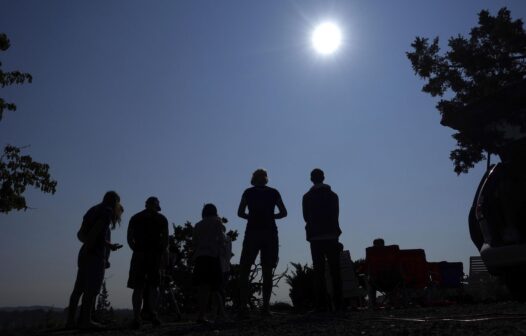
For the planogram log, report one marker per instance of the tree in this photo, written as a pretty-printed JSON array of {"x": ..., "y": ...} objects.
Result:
[
  {"x": 104, "y": 310},
  {"x": 474, "y": 68},
  {"x": 18, "y": 171},
  {"x": 302, "y": 287}
]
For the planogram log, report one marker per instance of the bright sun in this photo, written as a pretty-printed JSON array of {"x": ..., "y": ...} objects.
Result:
[{"x": 326, "y": 38}]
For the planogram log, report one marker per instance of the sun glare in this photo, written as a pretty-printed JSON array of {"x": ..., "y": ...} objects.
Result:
[{"x": 326, "y": 38}]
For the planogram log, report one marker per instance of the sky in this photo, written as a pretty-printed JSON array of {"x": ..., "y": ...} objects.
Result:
[{"x": 185, "y": 99}]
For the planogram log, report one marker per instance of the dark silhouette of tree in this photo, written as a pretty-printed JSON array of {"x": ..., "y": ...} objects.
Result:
[
  {"x": 302, "y": 287},
  {"x": 18, "y": 171},
  {"x": 10, "y": 78},
  {"x": 104, "y": 310},
  {"x": 493, "y": 57}
]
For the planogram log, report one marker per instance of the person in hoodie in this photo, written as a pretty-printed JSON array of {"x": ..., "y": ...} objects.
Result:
[{"x": 320, "y": 212}]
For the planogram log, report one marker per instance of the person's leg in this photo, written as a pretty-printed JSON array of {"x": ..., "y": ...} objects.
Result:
[
  {"x": 203, "y": 298},
  {"x": 153, "y": 300},
  {"x": 248, "y": 256},
  {"x": 94, "y": 275},
  {"x": 137, "y": 282},
  {"x": 86, "y": 310},
  {"x": 146, "y": 310},
  {"x": 221, "y": 314},
  {"x": 267, "y": 287},
  {"x": 318, "y": 264},
  {"x": 333, "y": 258},
  {"x": 137, "y": 298},
  {"x": 74, "y": 301},
  {"x": 269, "y": 261}
]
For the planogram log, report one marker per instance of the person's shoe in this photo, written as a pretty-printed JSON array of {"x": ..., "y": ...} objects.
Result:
[
  {"x": 155, "y": 321},
  {"x": 146, "y": 315},
  {"x": 243, "y": 314},
  {"x": 70, "y": 325},
  {"x": 90, "y": 325},
  {"x": 203, "y": 321},
  {"x": 265, "y": 312},
  {"x": 223, "y": 320},
  {"x": 136, "y": 324},
  {"x": 318, "y": 310}
]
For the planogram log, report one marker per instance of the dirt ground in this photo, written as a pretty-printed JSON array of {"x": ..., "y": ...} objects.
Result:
[{"x": 506, "y": 318}]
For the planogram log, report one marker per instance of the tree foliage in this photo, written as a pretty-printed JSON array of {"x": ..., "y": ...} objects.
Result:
[
  {"x": 18, "y": 171},
  {"x": 104, "y": 311},
  {"x": 10, "y": 77},
  {"x": 474, "y": 67}
]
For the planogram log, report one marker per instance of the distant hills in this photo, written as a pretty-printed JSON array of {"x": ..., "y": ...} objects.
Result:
[{"x": 26, "y": 308}]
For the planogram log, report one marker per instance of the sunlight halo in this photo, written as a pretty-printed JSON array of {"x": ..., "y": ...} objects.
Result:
[{"x": 326, "y": 38}]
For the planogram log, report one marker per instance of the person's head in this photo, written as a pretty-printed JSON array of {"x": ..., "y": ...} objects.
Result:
[
  {"x": 152, "y": 203},
  {"x": 317, "y": 176},
  {"x": 378, "y": 242},
  {"x": 259, "y": 178},
  {"x": 112, "y": 200},
  {"x": 209, "y": 210}
]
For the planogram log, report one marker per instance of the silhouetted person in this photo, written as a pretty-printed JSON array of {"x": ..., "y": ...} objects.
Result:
[
  {"x": 261, "y": 235},
  {"x": 321, "y": 211},
  {"x": 148, "y": 239},
  {"x": 208, "y": 241},
  {"x": 93, "y": 258}
]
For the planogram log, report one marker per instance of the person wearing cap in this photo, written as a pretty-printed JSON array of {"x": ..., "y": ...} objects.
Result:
[
  {"x": 320, "y": 212},
  {"x": 261, "y": 235},
  {"x": 148, "y": 239}
]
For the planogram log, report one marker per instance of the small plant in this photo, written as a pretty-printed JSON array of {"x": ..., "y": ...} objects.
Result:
[
  {"x": 104, "y": 311},
  {"x": 302, "y": 287}
]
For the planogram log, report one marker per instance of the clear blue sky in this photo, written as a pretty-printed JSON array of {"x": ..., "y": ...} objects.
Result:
[{"x": 184, "y": 99}]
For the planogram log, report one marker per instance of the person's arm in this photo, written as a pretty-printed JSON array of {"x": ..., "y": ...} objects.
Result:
[
  {"x": 282, "y": 211},
  {"x": 241, "y": 211},
  {"x": 305, "y": 208},
  {"x": 336, "y": 207},
  {"x": 164, "y": 235},
  {"x": 131, "y": 234}
]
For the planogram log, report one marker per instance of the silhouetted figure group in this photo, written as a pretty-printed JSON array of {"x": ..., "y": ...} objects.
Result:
[{"x": 148, "y": 239}]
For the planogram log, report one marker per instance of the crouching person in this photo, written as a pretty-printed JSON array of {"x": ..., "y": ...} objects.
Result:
[{"x": 148, "y": 239}]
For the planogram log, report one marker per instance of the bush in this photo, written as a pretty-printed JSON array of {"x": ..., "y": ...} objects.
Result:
[{"x": 302, "y": 287}]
